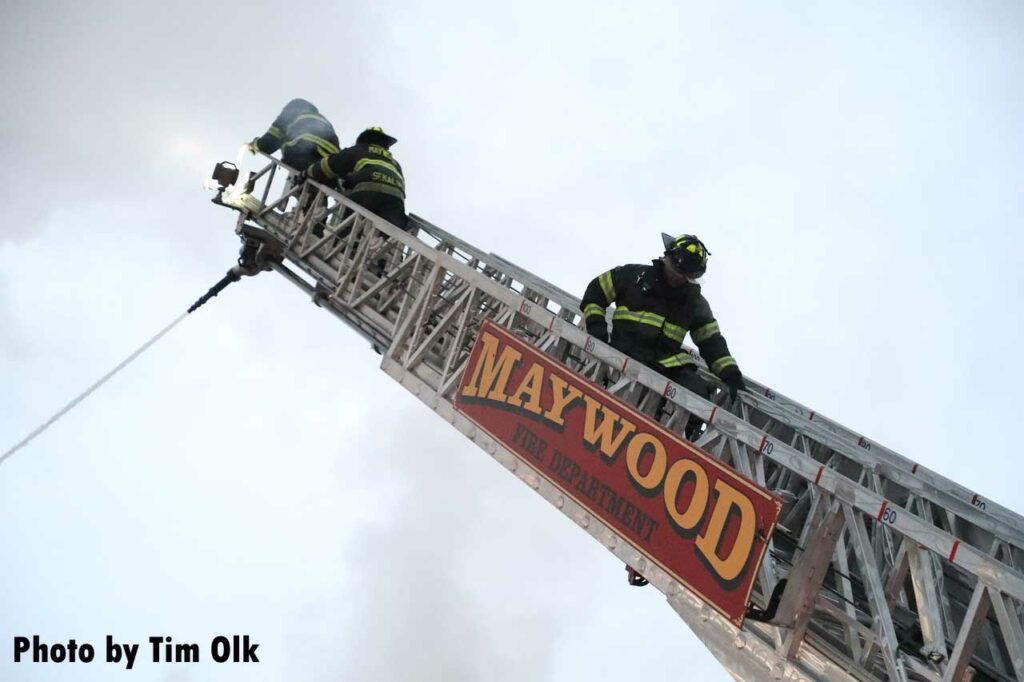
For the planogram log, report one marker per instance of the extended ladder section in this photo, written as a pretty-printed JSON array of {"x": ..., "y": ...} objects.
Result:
[{"x": 893, "y": 572}]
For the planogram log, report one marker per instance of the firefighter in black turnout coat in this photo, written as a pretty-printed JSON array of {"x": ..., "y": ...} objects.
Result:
[
  {"x": 301, "y": 132},
  {"x": 369, "y": 174},
  {"x": 655, "y": 306}
]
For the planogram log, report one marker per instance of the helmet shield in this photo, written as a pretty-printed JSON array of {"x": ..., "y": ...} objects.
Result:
[{"x": 688, "y": 254}]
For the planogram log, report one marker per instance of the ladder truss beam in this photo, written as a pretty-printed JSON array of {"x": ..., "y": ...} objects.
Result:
[{"x": 908, "y": 569}]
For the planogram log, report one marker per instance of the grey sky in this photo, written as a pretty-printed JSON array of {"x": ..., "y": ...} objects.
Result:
[{"x": 856, "y": 172}]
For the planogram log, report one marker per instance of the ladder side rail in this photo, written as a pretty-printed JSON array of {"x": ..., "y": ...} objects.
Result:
[
  {"x": 937, "y": 541},
  {"x": 755, "y": 656},
  {"x": 971, "y": 559},
  {"x": 903, "y": 465},
  {"x": 760, "y": 660},
  {"x": 967, "y": 506},
  {"x": 884, "y": 622},
  {"x": 520, "y": 279},
  {"x": 900, "y": 469},
  {"x": 552, "y": 292},
  {"x": 1012, "y": 534}
]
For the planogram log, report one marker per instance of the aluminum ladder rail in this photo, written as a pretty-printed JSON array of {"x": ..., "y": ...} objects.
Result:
[
  {"x": 900, "y": 481},
  {"x": 876, "y": 590},
  {"x": 984, "y": 523}
]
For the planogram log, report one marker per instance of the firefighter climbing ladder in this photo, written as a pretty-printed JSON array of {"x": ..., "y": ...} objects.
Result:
[{"x": 893, "y": 572}]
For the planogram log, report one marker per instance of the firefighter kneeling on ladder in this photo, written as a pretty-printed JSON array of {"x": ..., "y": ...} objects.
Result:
[
  {"x": 655, "y": 305},
  {"x": 369, "y": 174}
]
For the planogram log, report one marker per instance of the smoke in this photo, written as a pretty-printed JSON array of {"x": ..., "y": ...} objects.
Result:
[{"x": 412, "y": 604}]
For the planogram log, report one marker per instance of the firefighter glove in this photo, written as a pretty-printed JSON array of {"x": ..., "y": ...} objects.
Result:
[
  {"x": 254, "y": 146},
  {"x": 734, "y": 381}
]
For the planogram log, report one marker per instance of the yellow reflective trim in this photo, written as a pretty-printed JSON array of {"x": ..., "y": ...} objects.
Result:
[
  {"x": 316, "y": 139},
  {"x": 721, "y": 363},
  {"x": 704, "y": 333},
  {"x": 635, "y": 317},
  {"x": 652, "y": 319},
  {"x": 674, "y": 331},
  {"x": 275, "y": 132},
  {"x": 677, "y": 360},
  {"x": 321, "y": 143},
  {"x": 326, "y": 169},
  {"x": 302, "y": 117},
  {"x": 605, "y": 281},
  {"x": 379, "y": 187},
  {"x": 593, "y": 309},
  {"x": 363, "y": 163},
  {"x": 325, "y": 145}
]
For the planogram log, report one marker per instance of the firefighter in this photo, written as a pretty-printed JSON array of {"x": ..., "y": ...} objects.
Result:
[
  {"x": 304, "y": 136},
  {"x": 655, "y": 306},
  {"x": 301, "y": 132},
  {"x": 369, "y": 174}
]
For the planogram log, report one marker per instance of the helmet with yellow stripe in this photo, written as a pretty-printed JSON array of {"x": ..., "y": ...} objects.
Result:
[{"x": 688, "y": 254}]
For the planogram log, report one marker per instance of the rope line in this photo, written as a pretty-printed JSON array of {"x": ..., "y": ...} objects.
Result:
[{"x": 48, "y": 423}]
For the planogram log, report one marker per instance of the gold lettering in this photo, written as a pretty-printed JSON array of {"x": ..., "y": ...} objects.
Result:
[
  {"x": 562, "y": 396},
  {"x": 603, "y": 435},
  {"x": 730, "y": 566},
  {"x": 633, "y": 453},
  {"x": 531, "y": 386},
  {"x": 490, "y": 375},
  {"x": 688, "y": 519}
]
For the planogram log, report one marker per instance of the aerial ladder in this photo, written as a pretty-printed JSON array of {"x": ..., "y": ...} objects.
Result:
[{"x": 878, "y": 567}]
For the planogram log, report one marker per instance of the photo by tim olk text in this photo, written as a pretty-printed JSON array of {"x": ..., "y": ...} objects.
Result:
[{"x": 156, "y": 649}]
